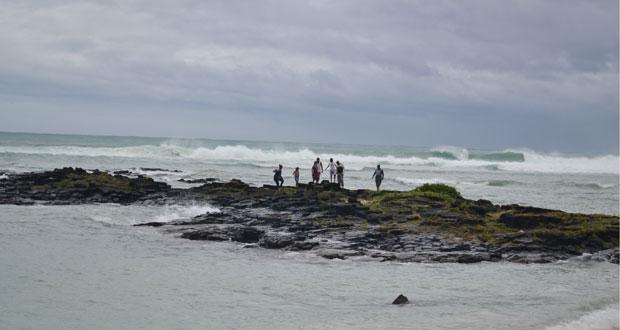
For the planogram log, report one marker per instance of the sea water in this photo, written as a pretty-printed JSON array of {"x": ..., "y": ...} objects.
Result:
[{"x": 86, "y": 267}]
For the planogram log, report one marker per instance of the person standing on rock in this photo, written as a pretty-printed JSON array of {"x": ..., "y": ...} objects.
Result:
[
  {"x": 340, "y": 173},
  {"x": 332, "y": 170},
  {"x": 296, "y": 176},
  {"x": 378, "y": 176},
  {"x": 277, "y": 176},
  {"x": 316, "y": 172}
]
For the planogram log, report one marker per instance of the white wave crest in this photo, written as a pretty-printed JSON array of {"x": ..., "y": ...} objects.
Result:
[
  {"x": 458, "y": 152},
  {"x": 142, "y": 151},
  {"x": 303, "y": 157},
  {"x": 419, "y": 182},
  {"x": 174, "y": 212},
  {"x": 131, "y": 215},
  {"x": 602, "y": 319},
  {"x": 556, "y": 163}
]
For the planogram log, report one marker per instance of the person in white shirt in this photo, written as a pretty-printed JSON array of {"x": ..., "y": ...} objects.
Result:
[
  {"x": 332, "y": 170},
  {"x": 378, "y": 175}
]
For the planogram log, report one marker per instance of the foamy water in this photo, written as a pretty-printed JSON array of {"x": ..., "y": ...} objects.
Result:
[{"x": 438, "y": 157}]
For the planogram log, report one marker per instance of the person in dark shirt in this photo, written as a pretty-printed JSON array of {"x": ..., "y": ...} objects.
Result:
[
  {"x": 277, "y": 176},
  {"x": 340, "y": 173}
]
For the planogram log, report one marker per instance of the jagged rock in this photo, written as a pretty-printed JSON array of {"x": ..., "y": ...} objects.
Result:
[
  {"x": 434, "y": 224},
  {"x": 276, "y": 240},
  {"x": 525, "y": 221},
  {"x": 609, "y": 255},
  {"x": 206, "y": 234},
  {"x": 150, "y": 224},
  {"x": 400, "y": 300},
  {"x": 338, "y": 253},
  {"x": 157, "y": 169},
  {"x": 205, "y": 180},
  {"x": 246, "y": 234},
  {"x": 458, "y": 247},
  {"x": 303, "y": 245}
]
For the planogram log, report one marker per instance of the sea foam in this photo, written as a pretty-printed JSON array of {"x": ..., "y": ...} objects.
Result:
[
  {"x": 606, "y": 318},
  {"x": 447, "y": 157}
]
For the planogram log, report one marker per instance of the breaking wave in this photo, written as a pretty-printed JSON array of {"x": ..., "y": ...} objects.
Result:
[
  {"x": 606, "y": 318},
  {"x": 419, "y": 182},
  {"x": 501, "y": 183},
  {"x": 595, "y": 186},
  {"x": 131, "y": 215},
  {"x": 507, "y": 160}
]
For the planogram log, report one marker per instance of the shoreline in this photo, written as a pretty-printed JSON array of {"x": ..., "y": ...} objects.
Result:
[{"x": 431, "y": 223}]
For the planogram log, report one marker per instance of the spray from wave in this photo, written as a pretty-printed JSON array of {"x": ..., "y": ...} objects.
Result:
[
  {"x": 131, "y": 215},
  {"x": 606, "y": 318},
  {"x": 449, "y": 157}
]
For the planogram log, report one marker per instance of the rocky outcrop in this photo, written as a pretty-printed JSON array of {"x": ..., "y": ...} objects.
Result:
[
  {"x": 400, "y": 300},
  {"x": 77, "y": 186},
  {"x": 432, "y": 223}
]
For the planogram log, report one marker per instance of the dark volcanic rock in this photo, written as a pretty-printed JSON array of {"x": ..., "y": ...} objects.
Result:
[
  {"x": 433, "y": 224},
  {"x": 609, "y": 255},
  {"x": 303, "y": 245},
  {"x": 157, "y": 169},
  {"x": 206, "y": 234},
  {"x": 525, "y": 221},
  {"x": 400, "y": 300},
  {"x": 206, "y": 180},
  {"x": 75, "y": 186},
  {"x": 246, "y": 234},
  {"x": 276, "y": 240},
  {"x": 150, "y": 224}
]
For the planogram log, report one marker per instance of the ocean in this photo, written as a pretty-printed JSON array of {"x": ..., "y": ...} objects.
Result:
[{"x": 86, "y": 267}]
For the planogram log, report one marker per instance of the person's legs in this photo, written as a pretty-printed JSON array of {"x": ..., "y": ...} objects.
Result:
[{"x": 378, "y": 183}]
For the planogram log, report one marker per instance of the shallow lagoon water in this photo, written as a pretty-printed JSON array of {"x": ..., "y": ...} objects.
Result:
[{"x": 85, "y": 267}]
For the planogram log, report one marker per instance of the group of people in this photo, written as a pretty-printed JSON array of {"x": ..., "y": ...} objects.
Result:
[{"x": 336, "y": 173}]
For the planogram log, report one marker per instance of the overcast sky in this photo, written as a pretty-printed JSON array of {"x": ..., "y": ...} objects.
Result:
[{"x": 485, "y": 74}]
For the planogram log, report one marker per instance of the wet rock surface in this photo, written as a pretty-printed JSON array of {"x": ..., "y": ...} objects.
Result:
[
  {"x": 78, "y": 186},
  {"x": 400, "y": 300},
  {"x": 432, "y": 223}
]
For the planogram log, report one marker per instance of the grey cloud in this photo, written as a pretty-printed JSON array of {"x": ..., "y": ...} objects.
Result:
[{"x": 426, "y": 63}]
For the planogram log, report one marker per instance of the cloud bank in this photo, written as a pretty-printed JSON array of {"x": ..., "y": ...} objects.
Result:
[{"x": 489, "y": 74}]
